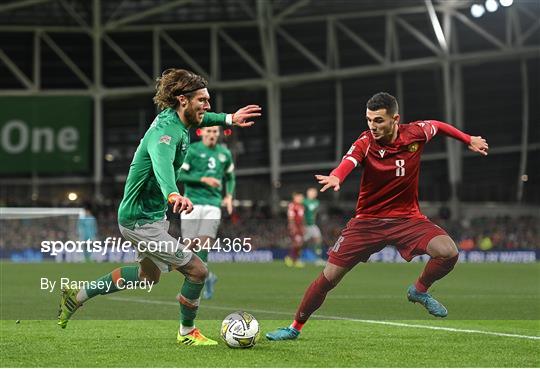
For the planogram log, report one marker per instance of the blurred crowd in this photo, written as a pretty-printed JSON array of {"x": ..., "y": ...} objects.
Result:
[
  {"x": 30, "y": 232},
  {"x": 494, "y": 233},
  {"x": 265, "y": 231}
]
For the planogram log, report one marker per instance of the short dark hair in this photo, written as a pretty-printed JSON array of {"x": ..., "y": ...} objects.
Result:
[{"x": 383, "y": 100}]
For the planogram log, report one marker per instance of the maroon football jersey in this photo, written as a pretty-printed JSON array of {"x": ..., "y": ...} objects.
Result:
[
  {"x": 295, "y": 212},
  {"x": 389, "y": 185}
]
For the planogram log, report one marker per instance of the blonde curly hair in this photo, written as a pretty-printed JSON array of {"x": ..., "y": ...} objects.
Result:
[{"x": 175, "y": 82}]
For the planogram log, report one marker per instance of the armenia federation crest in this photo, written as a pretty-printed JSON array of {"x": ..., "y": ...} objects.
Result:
[{"x": 412, "y": 147}]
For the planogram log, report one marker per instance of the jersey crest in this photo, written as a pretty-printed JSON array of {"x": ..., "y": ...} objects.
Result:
[
  {"x": 382, "y": 152},
  {"x": 413, "y": 147},
  {"x": 222, "y": 157}
]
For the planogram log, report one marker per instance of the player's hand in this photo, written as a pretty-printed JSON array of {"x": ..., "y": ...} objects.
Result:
[
  {"x": 328, "y": 181},
  {"x": 228, "y": 203},
  {"x": 211, "y": 181},
  {"x": 479, "y": 145},
  {"x": 242, "y": 117},
  {"x": 180, "y": 203}
]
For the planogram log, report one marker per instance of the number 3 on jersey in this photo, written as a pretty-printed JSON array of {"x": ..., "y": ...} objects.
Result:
[
  {"x": 211, "y": 162},
  {"x": 400, "y": 170}
]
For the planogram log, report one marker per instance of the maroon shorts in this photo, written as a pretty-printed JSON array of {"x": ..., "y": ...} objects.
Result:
[{"x": 363, "y": 237}]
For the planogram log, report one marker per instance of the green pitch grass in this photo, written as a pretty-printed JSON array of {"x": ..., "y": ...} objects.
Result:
[{"x": 366, "y": 320}]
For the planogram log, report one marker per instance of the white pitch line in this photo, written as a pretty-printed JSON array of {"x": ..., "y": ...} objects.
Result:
[{"x": 331, "y": 317}]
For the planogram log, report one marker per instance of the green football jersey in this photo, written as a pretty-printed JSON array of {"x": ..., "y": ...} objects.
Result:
[
  {"x": 203, "y": 161},
  {"x": 155, "y": 167},
  {"x": 311, "y": 207}
]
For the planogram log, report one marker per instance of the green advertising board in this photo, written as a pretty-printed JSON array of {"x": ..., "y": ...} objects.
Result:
[{"x": 45, "y": 135}]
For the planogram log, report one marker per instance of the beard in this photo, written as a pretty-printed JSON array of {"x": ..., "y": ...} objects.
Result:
[{"x": 191, "y": 117}]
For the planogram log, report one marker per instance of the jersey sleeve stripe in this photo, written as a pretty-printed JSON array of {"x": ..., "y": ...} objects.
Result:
[
  {"x": 425, "y": 134},
  {"x": 354, "y": 161},
  {"x": 230, "y": 169}
]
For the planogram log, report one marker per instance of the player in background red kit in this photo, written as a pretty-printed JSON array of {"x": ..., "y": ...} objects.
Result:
[
  {"x": 295, "y": 218},
  {"x": 387, "y": 212}
]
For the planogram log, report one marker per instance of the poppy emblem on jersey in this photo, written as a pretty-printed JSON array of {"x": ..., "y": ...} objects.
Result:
[
  {"x": 413, "y": 147},
  {"x": 382, "y": 152},
  {"x": 165, "y": 139}
]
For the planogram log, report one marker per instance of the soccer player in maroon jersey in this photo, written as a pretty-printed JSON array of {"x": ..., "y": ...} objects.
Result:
[
  {"x": 387, "y": 212},
  {"x": 295, "y": 218}
]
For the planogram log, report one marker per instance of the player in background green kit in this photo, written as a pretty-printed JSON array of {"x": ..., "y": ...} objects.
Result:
[
  {"x": 312, "y": 235},
  {"x": 150, "y": 187},
  {"x": 208, "y": 164}
]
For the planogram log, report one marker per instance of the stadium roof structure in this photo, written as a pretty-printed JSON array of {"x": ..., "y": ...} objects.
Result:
[
  {"x": 116, "y": 13},
  {"x": 115, "y": 48},
  {"x": 390, "y": 34}
]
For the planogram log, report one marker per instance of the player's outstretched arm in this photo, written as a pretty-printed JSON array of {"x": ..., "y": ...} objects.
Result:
[
  {"x": 330, "y": 181},
  {"x": 475, "y": 143},
  {"x": 243, "y": 117},
  {"x": 479, "y": 145}
]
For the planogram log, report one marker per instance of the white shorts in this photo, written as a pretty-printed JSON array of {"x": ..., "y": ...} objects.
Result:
[
  {"x": 202, "y": 221},
  {"x": 312, "y": 231},
  {"x": 166, "y": 258}
]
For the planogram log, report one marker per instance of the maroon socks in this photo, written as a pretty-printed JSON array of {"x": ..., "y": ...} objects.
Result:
[
  {"x": 313, "y": 299},
  {"x": 435, "y": 269}
]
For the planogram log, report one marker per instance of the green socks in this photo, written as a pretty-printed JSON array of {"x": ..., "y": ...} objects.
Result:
[
  {"x": 114, "y": 281},
  {"x": 203, "y": 255},
  {"x": 189, "y": 301}
]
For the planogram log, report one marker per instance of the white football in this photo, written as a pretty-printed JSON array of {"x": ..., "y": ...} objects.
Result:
[{"x": 240, "y": 330}]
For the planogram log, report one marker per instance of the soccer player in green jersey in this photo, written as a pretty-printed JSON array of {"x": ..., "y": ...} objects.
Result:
[
  {"x": 207, "y": 165},
  {"x": 312, "y": 235},
  {"x": 150, "y": 186}
]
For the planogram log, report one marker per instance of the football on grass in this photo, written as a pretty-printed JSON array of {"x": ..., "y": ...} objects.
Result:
[{"x": 240, "y": 330}]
